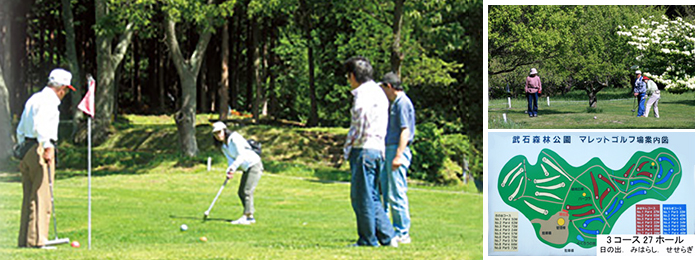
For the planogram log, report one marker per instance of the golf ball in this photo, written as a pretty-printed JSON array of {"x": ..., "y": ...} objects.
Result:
[
  {"x": 75, "y": 244},
  {"x": 595, "y": 117},
  {"x": 183, "y": 227},
  {"x": 203, "y": 239}
]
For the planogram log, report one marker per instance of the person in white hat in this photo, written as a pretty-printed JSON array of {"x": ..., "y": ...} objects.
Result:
[
  {"x": 533, "y": 87},
  {"x": 640, "y": 91},
  {"x": 240, "y": 154},
  {"x": 37, "y": 133}
]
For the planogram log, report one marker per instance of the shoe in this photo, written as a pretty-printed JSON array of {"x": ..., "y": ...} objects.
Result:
[
  {"x": 394, "y": 242},
  {"x": 535, "y": 115},
  {"x": 405, "y": 239},
  {"x": 243, "y": 220}
]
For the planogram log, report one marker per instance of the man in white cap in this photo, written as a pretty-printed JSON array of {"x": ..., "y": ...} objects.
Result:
[
  {"x": 38, "y": 132},
  {"x": 640, "y": 91}
]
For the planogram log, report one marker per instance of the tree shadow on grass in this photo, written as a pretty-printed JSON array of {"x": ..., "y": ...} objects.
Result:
[{"x": 690, "y": 103}]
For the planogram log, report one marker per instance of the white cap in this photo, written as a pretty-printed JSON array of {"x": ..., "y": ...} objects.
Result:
[
  {"x": 218, "y": 126},
  {"x": 638, "y": 72},
  {"x": 61, "y": 77}
]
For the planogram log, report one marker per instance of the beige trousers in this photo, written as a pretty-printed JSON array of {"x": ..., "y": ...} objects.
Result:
[
  {"x": 36, "y": 200},
  {"x": 653, "y": 101}
]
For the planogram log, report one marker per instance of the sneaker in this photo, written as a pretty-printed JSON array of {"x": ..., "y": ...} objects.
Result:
[
  {"x": 405, "y": 239},
  {"x": 394, "y": 242},
  {"x": 243, "y": 220}
]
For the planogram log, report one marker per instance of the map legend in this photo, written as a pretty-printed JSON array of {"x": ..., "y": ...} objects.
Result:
[
  {"x": 648, "y": 219},
  {"x": 505, "y": 226},
  {"x": 675, "y": 220}
]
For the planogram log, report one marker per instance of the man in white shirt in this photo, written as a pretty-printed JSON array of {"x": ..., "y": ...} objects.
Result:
[
  {"x": 38, "y": 128},
  {"x": 364, "y": 149}
]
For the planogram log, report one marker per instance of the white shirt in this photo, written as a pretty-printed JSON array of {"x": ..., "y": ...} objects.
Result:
[
  {"x": 239, "y": 153},
  {"x": 40, "y": 118},
  {"x": 370, "y": 117}
]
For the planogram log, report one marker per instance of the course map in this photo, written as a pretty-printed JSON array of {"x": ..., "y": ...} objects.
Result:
[{"x": 567, "y": 204}]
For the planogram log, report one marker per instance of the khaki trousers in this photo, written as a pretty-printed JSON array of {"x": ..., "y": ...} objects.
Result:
[{"x": 36, "y": 200}]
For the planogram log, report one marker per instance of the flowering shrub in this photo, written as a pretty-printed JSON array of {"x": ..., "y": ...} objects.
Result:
[{"x": 667, "y": 50}]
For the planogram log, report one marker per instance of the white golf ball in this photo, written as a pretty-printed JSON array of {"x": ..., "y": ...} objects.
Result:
[
  {"x": 183, "y": 227},
  {"x": 595, "y": 117}
]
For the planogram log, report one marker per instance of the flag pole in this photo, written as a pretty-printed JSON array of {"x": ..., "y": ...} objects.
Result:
[
  {"x": 89, "y": 182},
  {"x": 87, "y": 105}
]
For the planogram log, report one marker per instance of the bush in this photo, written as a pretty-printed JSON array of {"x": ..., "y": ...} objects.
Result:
[{"x": 428, "y": 153}]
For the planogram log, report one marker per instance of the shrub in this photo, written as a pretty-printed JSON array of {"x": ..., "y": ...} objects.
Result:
[{"x": 428, "y": 153}]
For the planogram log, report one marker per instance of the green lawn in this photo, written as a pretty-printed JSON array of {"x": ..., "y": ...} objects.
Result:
[
  {"x": 303, "y": 208},
  {"x": 614, "y": 111}
]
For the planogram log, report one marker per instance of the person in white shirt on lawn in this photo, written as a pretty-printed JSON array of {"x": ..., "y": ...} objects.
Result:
[
  {"x": 364, "y": 149},
  {"x": 240, "y": 154},
  {"x": 37, "y": 131}
]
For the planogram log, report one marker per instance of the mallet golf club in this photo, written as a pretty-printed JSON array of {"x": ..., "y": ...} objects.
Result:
[
  {"x": 56, "y": 241},
  {"x": 206, "y": 213}
]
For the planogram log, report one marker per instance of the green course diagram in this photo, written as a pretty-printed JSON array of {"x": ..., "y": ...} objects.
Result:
[{"x": 568, "y": 204}]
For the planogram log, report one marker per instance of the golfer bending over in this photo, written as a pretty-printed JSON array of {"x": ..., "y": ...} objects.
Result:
[{"x": 240, "y": 154}]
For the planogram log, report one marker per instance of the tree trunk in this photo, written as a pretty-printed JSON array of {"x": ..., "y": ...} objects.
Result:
[
  {"x": 396, "y": 55},
  {"x": 235, "y": 90},
  {"x": 272, "y": 96},
  {"x": 249, "y": 66},
  {"x": 187, "y": 70},
  {"x": 73, "y": 63},
  {"x": 6, "y": 133},
  {"x": 592, "y": 99},
  {"x": 15, "y": 52},
  {"x": 162, "y": 56},
  {"x": 313, "y": 113},
  {"x": 256, "y": 68},
  {"x": 224, "y": 83},
  {"x": 185, "y": 117},
  {"x": 107, "y": 62},
  {"x": 592, "y": 96}
]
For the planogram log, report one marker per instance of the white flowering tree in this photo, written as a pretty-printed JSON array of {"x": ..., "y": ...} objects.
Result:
[{"x": 666, "y": 50}]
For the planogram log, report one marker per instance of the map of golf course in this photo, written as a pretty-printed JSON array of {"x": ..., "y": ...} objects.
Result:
[{"x": 567, "y": 204}]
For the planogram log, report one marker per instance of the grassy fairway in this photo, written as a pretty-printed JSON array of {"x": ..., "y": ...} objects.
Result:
[
  {"x": 614, "y": 112},
  {"x": 301, "y": 214}
]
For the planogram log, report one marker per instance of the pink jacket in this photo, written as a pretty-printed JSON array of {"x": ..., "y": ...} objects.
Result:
[{"x": 533, "y": 84}]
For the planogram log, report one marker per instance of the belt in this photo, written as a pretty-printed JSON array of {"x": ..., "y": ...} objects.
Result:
[{"x": 34, "y": 140}]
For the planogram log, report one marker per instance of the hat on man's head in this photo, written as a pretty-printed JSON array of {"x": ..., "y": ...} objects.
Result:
[
  {"x": 533, "y": 71},
  {"x": 218, "y": 126},
  {"x": 393, "y": 79},
  {"x": 638, "y": 72},
  {"x": 61, "y": 77}
]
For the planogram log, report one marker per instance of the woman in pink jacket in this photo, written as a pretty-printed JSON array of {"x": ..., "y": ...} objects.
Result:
[{"x": 533, "y": 86}]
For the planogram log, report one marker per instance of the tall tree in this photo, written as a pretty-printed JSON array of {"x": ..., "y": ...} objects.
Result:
[
  {"x": 188, "y": 69},
  {"x": 109, "y": 56},
  {"x": 224, "y": 83},
  {"x": 6, "y": 132},
  {"x": 528, "y": 34},
  {"x": 306, "y": 14},
  {"x": 396, "y": 55},
  {"x": 72, "y": 56}
]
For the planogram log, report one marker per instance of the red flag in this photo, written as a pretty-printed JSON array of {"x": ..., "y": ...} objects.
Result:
[{"x": 87, "y": 105}]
